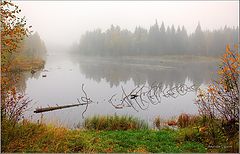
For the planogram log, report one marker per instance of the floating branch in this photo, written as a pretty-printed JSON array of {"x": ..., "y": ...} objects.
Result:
[
  {"x": 84, "y": 99},
  {"x": 46, "y": 109}
]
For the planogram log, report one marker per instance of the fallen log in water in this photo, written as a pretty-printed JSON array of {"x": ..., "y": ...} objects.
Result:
[{"x": 46, "y": 109}]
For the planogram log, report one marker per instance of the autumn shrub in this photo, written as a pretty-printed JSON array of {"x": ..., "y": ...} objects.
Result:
[
  {"x": 11, "y": 114},
  {"x": 114, "y": 122},
  {"x": 221, "y": 100},
  {"x": 219, "y": 104},
  {"x": 196, "y": 128},
  {"x": 15, "y": 105}
]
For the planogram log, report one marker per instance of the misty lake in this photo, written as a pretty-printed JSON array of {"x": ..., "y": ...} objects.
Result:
[{"x": 104, "y": 77}]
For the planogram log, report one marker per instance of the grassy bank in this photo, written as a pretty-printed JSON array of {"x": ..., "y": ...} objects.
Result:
[
  {"x": 22, "y": 63},
  {"x": 116, "y": 134},
  {"x": 30, "y": 137}
]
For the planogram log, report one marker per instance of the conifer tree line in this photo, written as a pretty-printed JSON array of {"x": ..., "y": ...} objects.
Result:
[{"x": 157, "y": 41}]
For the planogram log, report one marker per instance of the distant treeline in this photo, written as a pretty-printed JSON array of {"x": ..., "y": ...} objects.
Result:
[
  {"x": 33, "y": 47},
  {"x": 158, "y": 40}
]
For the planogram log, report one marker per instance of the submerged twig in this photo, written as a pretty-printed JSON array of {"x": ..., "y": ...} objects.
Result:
[{"x": 87, "y": 101}]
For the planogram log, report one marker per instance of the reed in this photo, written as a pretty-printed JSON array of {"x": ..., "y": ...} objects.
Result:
[{"x": 114, "y": 122}]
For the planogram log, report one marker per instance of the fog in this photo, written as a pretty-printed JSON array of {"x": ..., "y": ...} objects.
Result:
[{"x": 63, "y": 23}]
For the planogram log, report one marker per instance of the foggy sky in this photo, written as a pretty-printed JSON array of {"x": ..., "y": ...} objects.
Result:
[{"x": 62, "y": 22}]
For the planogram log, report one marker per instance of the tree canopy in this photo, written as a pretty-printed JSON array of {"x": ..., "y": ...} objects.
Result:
[{"x": 13, "y": 30}]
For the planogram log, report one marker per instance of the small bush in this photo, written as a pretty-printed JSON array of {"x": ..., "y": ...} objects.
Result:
[
  {"x": 14, "y": 105},
  {"x": 196, "y": 120},
  {"x": 189, "y": 134},
  {"x": 183, "y": 120},
  {"x": 114, "y": 123},
  {"x": 157, "y": 122}
]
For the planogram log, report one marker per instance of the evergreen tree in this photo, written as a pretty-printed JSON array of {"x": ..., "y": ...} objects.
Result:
[{"x": 156, "y": 42}]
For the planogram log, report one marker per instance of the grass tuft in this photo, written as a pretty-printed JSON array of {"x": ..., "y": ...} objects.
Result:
[{"x": 114, "y": 123}]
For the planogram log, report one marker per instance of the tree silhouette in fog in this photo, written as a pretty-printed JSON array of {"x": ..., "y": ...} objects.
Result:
[{"x": 156, "y": 41}]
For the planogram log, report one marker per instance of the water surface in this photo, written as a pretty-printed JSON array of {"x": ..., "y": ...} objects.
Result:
[{"x": 104, "y": 77}]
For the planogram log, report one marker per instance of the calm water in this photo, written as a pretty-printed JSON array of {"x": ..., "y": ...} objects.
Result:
[{"x": 102, "y": 78}]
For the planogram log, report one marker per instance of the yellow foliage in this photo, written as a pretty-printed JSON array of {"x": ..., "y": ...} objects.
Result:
[
  {"x": 13, "y": 30},
  {"x": 222, "y": 95}
]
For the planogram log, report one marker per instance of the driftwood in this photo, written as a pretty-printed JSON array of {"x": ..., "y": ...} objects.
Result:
[
  {"x": 46, "y": 109},
  {"x": 84, "y": 99}
]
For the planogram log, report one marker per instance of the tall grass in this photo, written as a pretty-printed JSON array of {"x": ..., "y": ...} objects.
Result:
[
  {"x": 26, "y": 136},
  {"x": 114, "y": 122}
]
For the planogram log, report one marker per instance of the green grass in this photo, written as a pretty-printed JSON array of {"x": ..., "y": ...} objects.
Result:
[
  {"x": 30, "y": 137},
  {"x": 114, "y": 122},
  {"x": 144, "y": 141}
]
